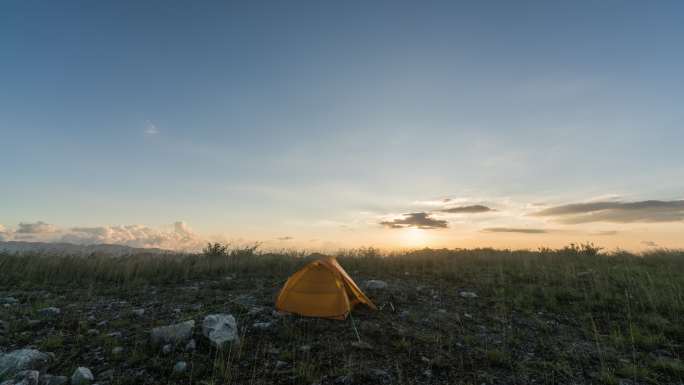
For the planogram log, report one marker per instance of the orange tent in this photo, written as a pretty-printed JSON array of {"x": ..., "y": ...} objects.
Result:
[{"x": 321, "y": 289}]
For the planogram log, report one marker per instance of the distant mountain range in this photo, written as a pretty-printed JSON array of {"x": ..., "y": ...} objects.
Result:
[{"x": 62, "y": 248}]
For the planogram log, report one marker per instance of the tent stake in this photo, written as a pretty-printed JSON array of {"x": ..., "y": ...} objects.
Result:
[{"x": 354, "y": 326}]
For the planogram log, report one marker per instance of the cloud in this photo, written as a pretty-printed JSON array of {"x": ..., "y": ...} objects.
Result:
[
  {"x": 616, "y": 212},
  {"x": 417, "y": 220},
  {"x": 150, "y": 128},
  {"x": 5, "y": 234},
  {"x": 36, "y": 228},
  {"x": 181, "y": 237},
  {"x": 514, "y": 230},
  {"x": 285, "y": 238},
  {"x": 604, "y": 232},
  {"x": 472, "y": 209},
  {"x": 649, "y": 243}
]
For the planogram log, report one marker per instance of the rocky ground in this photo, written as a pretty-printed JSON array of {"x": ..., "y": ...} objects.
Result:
[{"x": 427, "y": 331}]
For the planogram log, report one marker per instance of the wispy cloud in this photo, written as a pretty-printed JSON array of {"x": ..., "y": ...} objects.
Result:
[
  {"x": 616, "y": 212},
  {"x": 472, "y": 209},
  {"x": 150, "y": 128},
  {"x": 514, "y": 230},
  {"x": 285, "y": 238},
  {"x": 649, "y": 243},
  {"x": 605, "y": 233},
  {"x": 420, "y": 220}
]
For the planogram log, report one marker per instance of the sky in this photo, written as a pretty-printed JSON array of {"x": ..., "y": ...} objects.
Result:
[{"x": 324, "y": 125}]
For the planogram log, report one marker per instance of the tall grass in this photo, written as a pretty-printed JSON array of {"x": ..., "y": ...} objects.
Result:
[{"x": 628, "y": 307}]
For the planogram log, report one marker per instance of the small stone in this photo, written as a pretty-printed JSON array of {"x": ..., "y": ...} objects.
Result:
[
  {"x": 92, "y": 332},
  {"x": 27, "y": 377},
  {"x": 82, "y": 376},
  {"x": 115, "y": 335},
  {"x": 245, "y": 300},
  {"x": 172, "y": 334},
  {"x": 191, "y": 346},
  {"x": 138, "y": 312},
  {"x": 49, "y": 312},
  {"x": 117, "y": 350},
  {"x": 102, "y": 324},
  {"x": 380, "y": 376},
  {"x": 305, "y": 348},
  {"x": 375, "y": 284},
  {"x": 362, "y": 345},
  {"x": 262, "y": 325},
  {"x": 9, "y": 301},
  {"x": 280, "y": 365},
  {"x": 167, "y": 349},
  {"x": 273, "y": 351},
  {"x": 255, "y": 310},
  {"x": 180, "y": 367},
  {"x": 48, "y": 379},
  {"x": 467, "y": 294},
  {"x": 106, "y": 375}
]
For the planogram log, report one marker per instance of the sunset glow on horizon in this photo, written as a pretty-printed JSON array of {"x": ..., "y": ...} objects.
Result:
[{"x": 325, "y": 126}]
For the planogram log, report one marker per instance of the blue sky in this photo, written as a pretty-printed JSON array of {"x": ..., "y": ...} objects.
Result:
[{"x": 316, "y": 121}]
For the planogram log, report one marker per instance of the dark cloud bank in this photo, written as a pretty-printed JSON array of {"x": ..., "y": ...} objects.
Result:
[
  {"x": 617, "y": 212},
  {"x": 417, "y": 220}
]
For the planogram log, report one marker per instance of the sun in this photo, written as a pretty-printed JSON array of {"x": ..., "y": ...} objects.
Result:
[{"x": 414, "y": 237}]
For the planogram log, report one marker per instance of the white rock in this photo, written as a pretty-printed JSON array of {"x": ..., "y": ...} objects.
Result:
[
  {"x": 138, "y": 312},
  {"x": 220, "y": 329},
  {"x": 23, "y": 359},
  {"x": 82, "y": 376}
]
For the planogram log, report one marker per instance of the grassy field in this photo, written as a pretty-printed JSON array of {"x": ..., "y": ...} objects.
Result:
[{"x": 568, "y": 316}]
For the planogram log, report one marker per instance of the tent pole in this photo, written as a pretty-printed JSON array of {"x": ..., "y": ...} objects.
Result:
[{"x": 354, "y": 326}]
